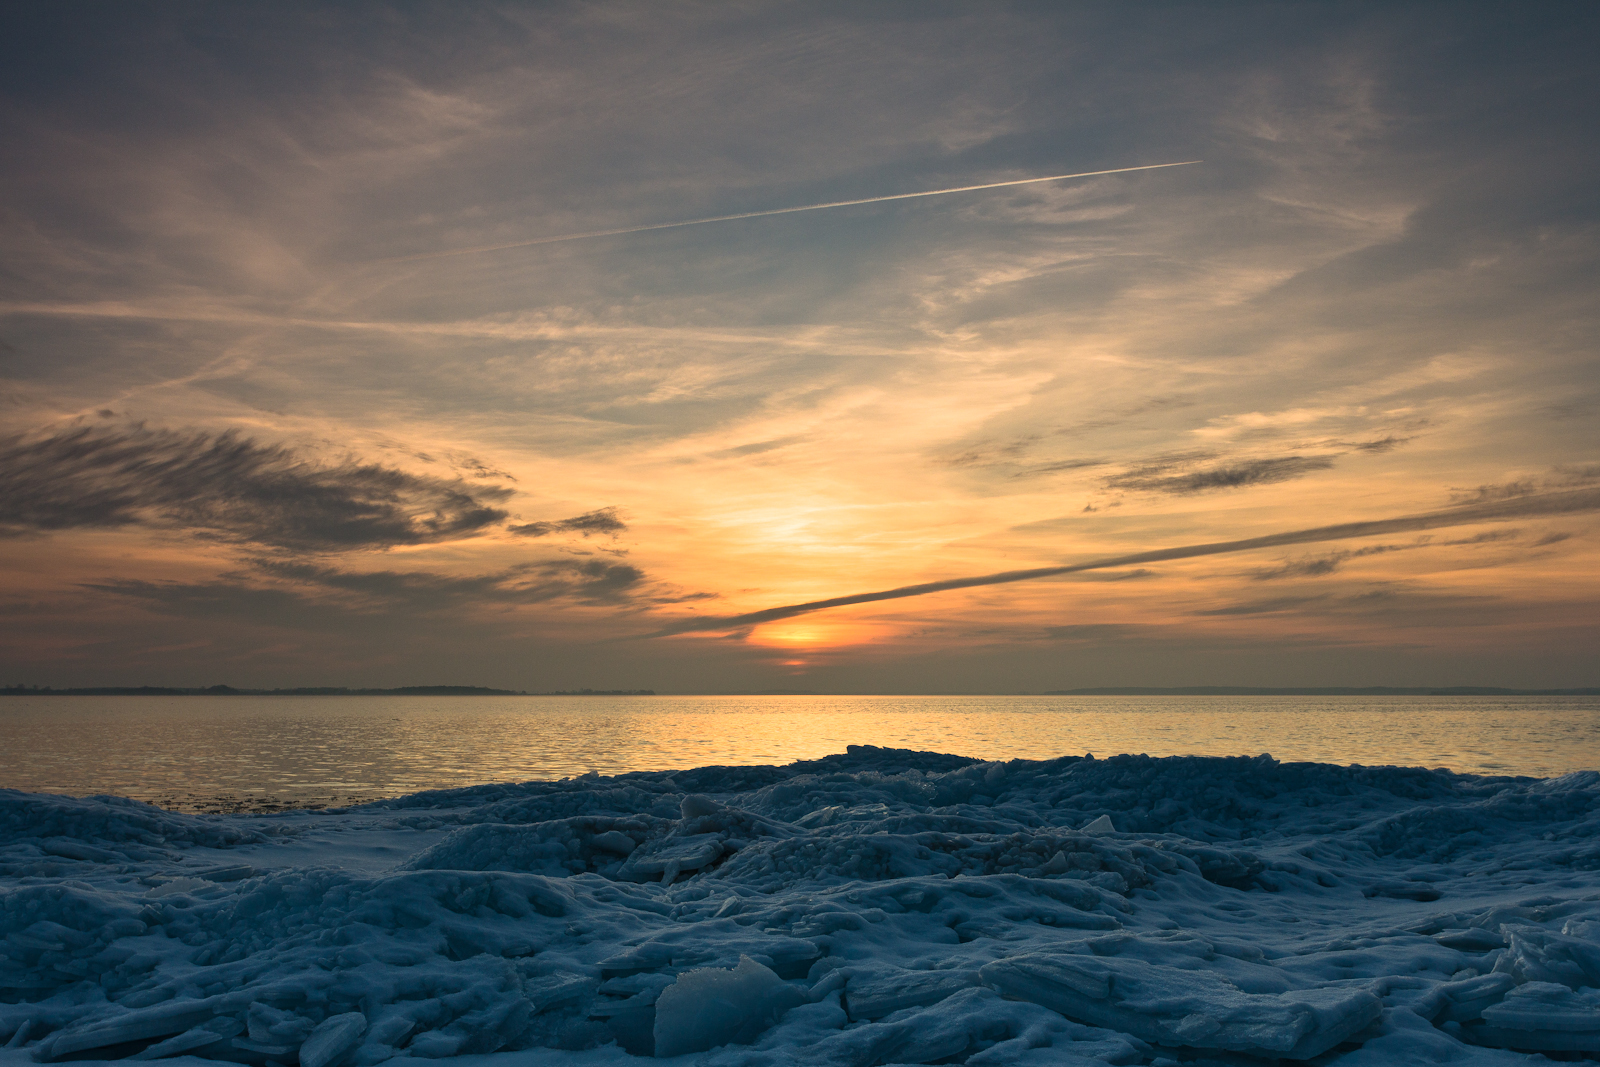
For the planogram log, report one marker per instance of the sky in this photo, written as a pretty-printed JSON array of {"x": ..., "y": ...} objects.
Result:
[{"x": 294, "y": 392}]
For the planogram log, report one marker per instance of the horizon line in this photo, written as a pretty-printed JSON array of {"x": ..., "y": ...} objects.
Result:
[{"x": 1095, "y": 690}]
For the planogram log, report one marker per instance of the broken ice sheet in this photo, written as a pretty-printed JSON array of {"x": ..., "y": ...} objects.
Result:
[{"x": 873, "y": 907}]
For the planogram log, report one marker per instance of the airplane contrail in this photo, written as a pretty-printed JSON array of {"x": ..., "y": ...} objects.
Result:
[
  {"x": 1501, "y": 510},
  {"x": 773, "y": 211}
]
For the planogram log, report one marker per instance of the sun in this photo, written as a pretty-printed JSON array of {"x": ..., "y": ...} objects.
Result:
[{"x": 803, "y": 634}]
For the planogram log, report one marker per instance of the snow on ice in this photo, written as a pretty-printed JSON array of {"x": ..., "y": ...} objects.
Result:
[{"x": 876, "y": 907}]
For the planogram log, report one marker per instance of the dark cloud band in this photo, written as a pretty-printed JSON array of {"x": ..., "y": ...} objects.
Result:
[
  {"x": 1159, "y": 477},
  {"x": 602, "y": 521},
  {"x": 230, "y": 487},
  {"x": 1581, "y": 500}
]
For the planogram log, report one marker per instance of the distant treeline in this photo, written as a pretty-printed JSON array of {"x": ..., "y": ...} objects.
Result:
[
  {"x": 1322, "y": 691},
  {"x": 307, "y": 691}
]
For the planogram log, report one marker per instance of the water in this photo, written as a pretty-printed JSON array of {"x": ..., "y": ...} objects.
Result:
[{"x": 223, "y": 753}]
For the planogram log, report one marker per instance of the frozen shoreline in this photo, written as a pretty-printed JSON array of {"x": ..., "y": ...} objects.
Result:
[{"x": 893, "y": 907}]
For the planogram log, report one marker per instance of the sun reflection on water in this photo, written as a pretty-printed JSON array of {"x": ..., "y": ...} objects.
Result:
[{"x": 365, "y": 747}]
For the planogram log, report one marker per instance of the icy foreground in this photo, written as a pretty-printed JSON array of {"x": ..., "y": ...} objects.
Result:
[{"x": 879, "y": 907}]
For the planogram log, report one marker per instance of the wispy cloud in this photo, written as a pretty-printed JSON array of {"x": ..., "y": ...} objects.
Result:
[
  {"x": 1557, "y": 478},
  {"x": 1318, "y": 566},
  {"x": 590, "y": 581},
  {"x": 601, "y": 521},
  {"x": 230, "y": 487},
  {"x": 1182, "y": 476},
  {"x": 783, "y": 211},
  {"x": 201, "y": 211},
  {"x": 304, "y": 593}
]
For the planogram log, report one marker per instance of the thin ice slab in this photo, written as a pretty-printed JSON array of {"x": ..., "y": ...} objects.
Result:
[{"x": 1185, "y": 1008}]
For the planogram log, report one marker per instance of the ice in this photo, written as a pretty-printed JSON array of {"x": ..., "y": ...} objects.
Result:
[
  {"x": 1543, "y": 1015},
  {"x": 332, "y": 1038},
  {"x": 873, "y": 995},
  {"x": 708, "y": 1007},
  {"x": 1186, "y": 1008},
  {"x": 210, "y": 1032},
  {"x": 152, "y": 1022},
  {"x": 875, "y": 907},
  {"x": 1538, "y": 955}
]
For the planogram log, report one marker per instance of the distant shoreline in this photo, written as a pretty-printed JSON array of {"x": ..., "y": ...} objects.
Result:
[
  {"x": 478, "y": 690},
  {"x": 1323, "y": 691},
  {"x": 308, "y": 691}
]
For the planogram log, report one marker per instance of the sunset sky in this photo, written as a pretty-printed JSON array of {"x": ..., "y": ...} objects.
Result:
[{"x": 259, "y": 428}]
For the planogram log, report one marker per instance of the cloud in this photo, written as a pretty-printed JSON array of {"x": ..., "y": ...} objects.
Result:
[
  {"x": 602, "y": 521},
  {"x": 265, "y": 605},
  {"x": 1558, "y": 478},
  {"x": 1118, "y": 576},
  {"x": 1093, "y": 631},
  {"x": 1317, "y": 566},
  {"x": 756, "y": 448},
  {"x": 232, "y": 488},
  {"x": 302, "y": 593},
  {"x": 1264, "y": 607},
  {"x": 1381, "y": 445},
  {"x": 1173, "y": 477},
  {"x": 1398, "y": 604},
  {"x": 1502, "y": 491},
  {"x": 590, "y": 580},
  {"x": 1062, "y": 465},
  {"x": 1568, "y": 503},
  {"x": 776, "y": 211}
]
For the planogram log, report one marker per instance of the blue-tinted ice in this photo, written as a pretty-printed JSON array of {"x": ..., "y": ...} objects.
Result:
[{"x": 878, "y": 907}]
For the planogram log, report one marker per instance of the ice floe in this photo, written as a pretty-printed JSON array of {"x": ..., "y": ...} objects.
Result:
[{"x": 872, "y": 908}]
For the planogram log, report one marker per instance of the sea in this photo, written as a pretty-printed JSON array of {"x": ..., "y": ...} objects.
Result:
[{"x": 264, "y": 753}]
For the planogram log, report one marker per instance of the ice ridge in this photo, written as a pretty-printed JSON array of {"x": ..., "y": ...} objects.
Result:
[{"x": 875, "y": 907}]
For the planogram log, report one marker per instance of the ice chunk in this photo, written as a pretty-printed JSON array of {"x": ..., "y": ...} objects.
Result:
[
  {"x": 1543, "y": 1016},
  {"x": 274, "y": 1026},
  {"x": 553, "y": 991},
  {"x": 557, "y": 848},
  {"x": 207, "y": 1033},
  {"x": 974, "y": 1026},
  {"x": 1474, "y": 939},
  {"x": 1401, "y": 891},
  {"x": 695, "y": 805},
  {"x": 874, "y": 996},
  {"x": 1538, "y": 955},
  {"x": 1546, "y": 1006},
  {"x": 711, "y": 1007},
  {"x": 435, "y": 1045},
  {"x": 1102, "y": 825},
  {"x": 67, "y": 848},
  {"x": 332, "y": 1038},
  {"x": 1465, "y": 1000},
  {"x": 170, "y": 1018},
  {"x": 177, "y": 885},
  {"x": 1185, "y": 1008},
  {"x": 111, "y": 820},
  {"x": 615, "y": 841},
  {"x": 672, "y": 855}
]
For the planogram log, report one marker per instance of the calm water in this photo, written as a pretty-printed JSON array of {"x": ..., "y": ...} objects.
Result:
[{"x": 183, "y": 751}]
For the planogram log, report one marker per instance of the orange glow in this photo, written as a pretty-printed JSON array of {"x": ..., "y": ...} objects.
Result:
[{"x": 799, "y": 634}]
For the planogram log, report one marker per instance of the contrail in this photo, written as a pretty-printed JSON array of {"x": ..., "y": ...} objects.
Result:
[
  {"x": 1523, "y": 507},
  {"x": 774, "y": 211}
]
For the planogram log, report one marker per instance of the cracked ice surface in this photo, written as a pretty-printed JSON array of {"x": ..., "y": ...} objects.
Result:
[{"x": 877, "y": 907}]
